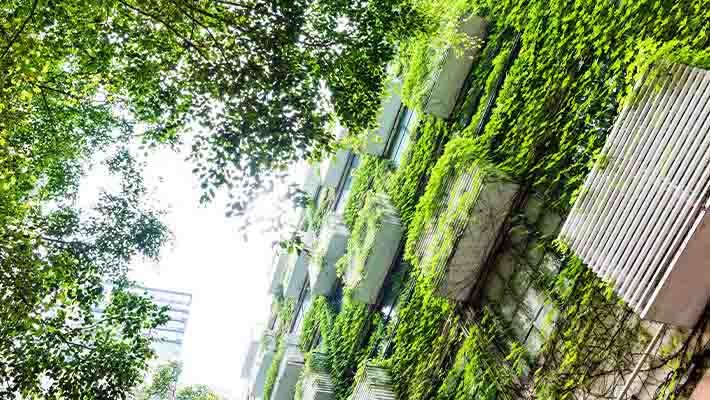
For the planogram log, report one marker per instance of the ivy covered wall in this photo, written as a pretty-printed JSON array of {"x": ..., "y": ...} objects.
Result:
[{"x": 537, "y": 105}]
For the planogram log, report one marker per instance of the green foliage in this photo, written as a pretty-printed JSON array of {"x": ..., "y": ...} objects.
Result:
[
  {"x": 408, "y": 181},
  {"x": 286, "y": 308},
  {"x": 420, "y": 53},
  {"x": 196, "y": 392},
  {"x": 346, "y": 343},
  {"x": 461, "y": 154},
  {"x": 318, "y": 318},
  {"x": 163, "y": 383},
  {"x": 273, "y": 372},
  {"x": 498, "y": 64},
  {"x": 561, "y": 94},
  {"x": 316, "y": 213},
  {"x": 362, "y": 239},
  {"x": 182, "y": 64},
  {"x": 55, "y": 258},
  {"x": 424, "y": 333},
  {"x": 370, "y": 175}
]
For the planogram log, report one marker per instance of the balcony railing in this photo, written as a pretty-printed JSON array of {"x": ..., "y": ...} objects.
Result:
[
  {"x": 641, "y": 220},
  {"x": 374, "y": 245},
  {"x": 373, "y": 383},
  {"x": 317, "y": 384},
  {"x": 330, "y": 247}
]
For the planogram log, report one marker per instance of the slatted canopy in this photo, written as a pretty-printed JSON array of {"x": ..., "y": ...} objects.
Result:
[{"x": 640, "y": 221}]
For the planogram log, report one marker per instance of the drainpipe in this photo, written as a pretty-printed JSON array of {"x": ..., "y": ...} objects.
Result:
[{"x": 640, "y": 363}]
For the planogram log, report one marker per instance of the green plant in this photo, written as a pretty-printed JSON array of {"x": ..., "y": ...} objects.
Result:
[
  {"x": 407, "y": 182},
  {"x": 316, "y": 212},
  {"x": 370, "y": 176},
  {"x": 283, "y": 320},
  {"x": 362, "y": 239},
  {"x": 461, "y": 155},
  {"x": 273, "y": 372},
  {"x": 345, "y": 344},
  {"x": 318, "y": 318}
]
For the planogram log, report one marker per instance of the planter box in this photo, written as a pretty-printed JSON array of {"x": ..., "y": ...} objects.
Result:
[
  {"x": 311, "y": 180},
  {"x": 295, "y": 275},
  {"x": 278, "y": 269},
  {"x": 453, "y": 69},
  {"x": 457, "y": 243},
  {"x": 332, "y": 169},
  {"x": 375, "y": 249},
  {"x": 249, "y": 359},
  {"x": 289, "y": 370},
  {"x": 331, "y": 246},
  {"x": 373, "y": 383},
  {"x": 386, "y": 121},
  {"x": 262, "y": 362},
  {"x": 317, "y": 384}
]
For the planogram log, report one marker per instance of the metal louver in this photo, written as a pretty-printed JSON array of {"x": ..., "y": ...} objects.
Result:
[{"x": 641, "y": 220}]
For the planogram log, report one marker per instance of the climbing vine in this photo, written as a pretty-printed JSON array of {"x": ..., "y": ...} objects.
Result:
[
  {"x": 317, "y": 210},
  {"x": 346, "y": 343},
  {"x": 318, "y": 318},
  {"x": 370, "y": 175},
  {"x": 407, "y": 183},
  {"x": 283, "y": 321}
]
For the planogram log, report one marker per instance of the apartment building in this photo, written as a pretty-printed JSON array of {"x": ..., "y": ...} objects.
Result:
[{"x": 484, "y": 246}]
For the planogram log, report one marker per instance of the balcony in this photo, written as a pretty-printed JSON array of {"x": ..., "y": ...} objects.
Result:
[
  {"x": 311, "y": 180},
  {"x": 262, "y": 361},
  {"x": 278, "y": 268},
  {"x": 457, "y": 242},
  {"x": 296, "y": 269},
  {"x": 295, "y": 275},
  {"x": 377, "y": 234},
  {"x": 373, "y": 383},
  {"x": 331, "y": 245},
  {"x": 289, "y": 370},
  {"x": 332, "y": 169},
  {"x": 453, "y": 68},
  {"x": 249, "y": 359},
  {"x": 386, "y": 120},
  {"x": 317, "y": 384}
]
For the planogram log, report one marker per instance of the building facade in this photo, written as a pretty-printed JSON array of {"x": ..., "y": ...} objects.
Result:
[{"x": 437, "y": 270}]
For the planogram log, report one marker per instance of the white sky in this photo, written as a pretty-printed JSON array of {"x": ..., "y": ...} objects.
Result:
[{"x": 226, "y": 276}]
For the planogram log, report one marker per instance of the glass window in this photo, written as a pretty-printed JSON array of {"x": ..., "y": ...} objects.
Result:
[
  {"x": 305, "y": 304},
  {"x": 402, "y": 134}
]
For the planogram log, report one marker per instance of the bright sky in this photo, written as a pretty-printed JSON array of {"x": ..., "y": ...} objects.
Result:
[{"x": 226, "y": 276}]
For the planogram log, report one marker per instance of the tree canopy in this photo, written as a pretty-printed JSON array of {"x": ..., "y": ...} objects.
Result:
[
  {"x": 251, "y": 78},
  {"x": 163, "y": 385},
  {"x": 252, "y": 83}
]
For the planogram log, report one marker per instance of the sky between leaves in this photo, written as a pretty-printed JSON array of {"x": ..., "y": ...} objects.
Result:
[{"x": 209, "y": 258}]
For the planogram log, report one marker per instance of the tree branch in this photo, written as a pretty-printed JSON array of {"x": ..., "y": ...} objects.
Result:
[
  {"x": 189, "y": 42},
  {"x": 22, "y": 28}
]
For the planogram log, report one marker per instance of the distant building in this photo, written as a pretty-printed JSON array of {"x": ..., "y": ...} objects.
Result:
[{"x": 168, "y": 338}]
